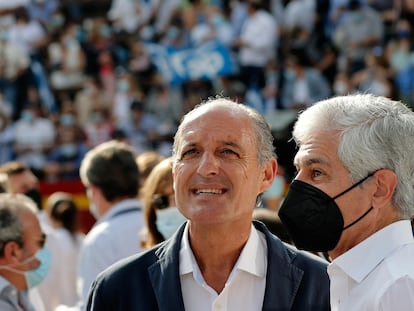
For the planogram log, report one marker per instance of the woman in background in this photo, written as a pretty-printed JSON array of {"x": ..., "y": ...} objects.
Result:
[
  {"x": 64, "y": 241},
  {"x": 162, "y": 217}
]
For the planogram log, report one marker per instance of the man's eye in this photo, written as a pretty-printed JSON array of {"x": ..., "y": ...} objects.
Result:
[
  {"x": 188, "y": 153},
  {"x": 316, "y": 173},
  {"x": 229, "y": 153}
]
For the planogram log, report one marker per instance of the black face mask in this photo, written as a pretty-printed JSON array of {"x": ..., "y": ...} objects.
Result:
[
  {"x": 36, "y": 196},
  {"x": 313, "y": 218}
]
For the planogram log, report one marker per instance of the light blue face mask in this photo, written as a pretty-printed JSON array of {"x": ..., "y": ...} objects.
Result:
[
  {"x": 168, "y": 220},
  {"x": 36, "y": 276}
]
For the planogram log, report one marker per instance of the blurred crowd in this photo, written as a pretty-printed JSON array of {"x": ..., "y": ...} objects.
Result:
[
  {"x": 74, "y": 74},
  {"x": 77, "y": 74}
]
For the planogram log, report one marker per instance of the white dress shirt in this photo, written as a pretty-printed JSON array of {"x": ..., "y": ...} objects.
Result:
[
  {"x": 245, "y": 287},
  {"x": 113, "y": 237},
  {"x": 260, "y": 34},
  {"x": 377, "y": 274}
]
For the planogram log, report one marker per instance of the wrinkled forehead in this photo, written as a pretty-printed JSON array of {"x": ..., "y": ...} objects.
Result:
[{"x": 219, "y": 126}]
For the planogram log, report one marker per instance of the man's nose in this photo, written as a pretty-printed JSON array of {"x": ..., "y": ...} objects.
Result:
[{"x": 209, "y": 165}]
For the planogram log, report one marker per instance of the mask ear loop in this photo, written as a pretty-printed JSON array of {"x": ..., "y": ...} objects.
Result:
[
  {"x": 349, "y": 189},
  {"x": 355, "y": 185},
  {"x": 12, "y": 269},
  {"x": 358, "y": 219}
]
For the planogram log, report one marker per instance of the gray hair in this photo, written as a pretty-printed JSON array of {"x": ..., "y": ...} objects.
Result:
[
  {"x": 374, "y": 133},
  {"x": 11, "y": 228},
  {"x": 265, "y": 148}
]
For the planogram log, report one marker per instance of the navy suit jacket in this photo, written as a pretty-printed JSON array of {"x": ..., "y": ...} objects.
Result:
[{"x": 295, "y": 280}]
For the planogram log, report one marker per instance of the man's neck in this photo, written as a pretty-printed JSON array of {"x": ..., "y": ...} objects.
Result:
[{"x": 217, "y": 250}]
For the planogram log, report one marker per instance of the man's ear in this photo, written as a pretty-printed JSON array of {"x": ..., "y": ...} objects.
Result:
[
  {"x": 12, "y": 252},
  {"x": 269, "y": 174},
  {"x": 386, "y": 181}
]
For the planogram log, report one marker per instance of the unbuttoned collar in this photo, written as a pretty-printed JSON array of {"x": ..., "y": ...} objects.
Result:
[{"x": 360, "y": 260}]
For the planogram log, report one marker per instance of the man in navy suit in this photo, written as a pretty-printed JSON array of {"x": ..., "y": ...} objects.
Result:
[{"x": 220, "y": 259}]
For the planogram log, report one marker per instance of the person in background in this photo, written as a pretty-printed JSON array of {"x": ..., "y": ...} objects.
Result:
[
  {"x": 166, "y": 104},
  {"x": 360, "y": 30},
  {"x": 303, "y": 85},
  {"x": 34, "y": 136},
  {"x": 353, "y": 198},
  {"x": 64, "y": 160},
  {"x": 64, "y": 242},
  {"x": 256, "y": 48},
  {"x": 273, "y": 223},
  {"x": 6, "y": 128},
  {"x": 66, "y": 62},
  {"x": 100, "y": 126},
  {"x": 273, "y": 197},
  {"x": 14, "y": 73},
  {"x": 128, "y": 90},
  {"x": 142, "y": 128},
  {"x": 162, "y": 218},
  {"x": 374, "y": 78},
  {"x": 111, "y": 178},
  {"x": 86, "y": 99},
  {"x": 398, "y": 50},
  {"x": 24, "y": 261},
  {"x": 146, "y": 161},
  {"x": 223, "y": 159},
  {"x": 22, "y": 180}
]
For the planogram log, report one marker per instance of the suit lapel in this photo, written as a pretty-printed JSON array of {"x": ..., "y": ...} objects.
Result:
[
  {"x": 165, "y": 276},
  {"x": 279, "y": 271}
]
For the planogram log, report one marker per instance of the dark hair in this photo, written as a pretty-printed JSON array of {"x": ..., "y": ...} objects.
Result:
[
  {"x": 112, "y": 168},
  {"x": 10, "y": 223},
  {"x": 62, "y": 208},
  {"x": 255, "y": 4},
  {"x": 66, "y": 212}
]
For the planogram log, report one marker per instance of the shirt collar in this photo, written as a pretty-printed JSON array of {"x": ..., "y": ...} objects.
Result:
[
  {"x": 255, "y": 247},
  {"x": 370, "y": 252},
  {"x": 4, "y": 283},
  {"x": 8, "y": 290},
  {"x": 119, "y": 207}
]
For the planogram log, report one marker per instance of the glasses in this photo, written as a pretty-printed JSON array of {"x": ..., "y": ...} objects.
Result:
[
  {"x": 42, "y": 240},
  {"x": 161, "y": 201}
]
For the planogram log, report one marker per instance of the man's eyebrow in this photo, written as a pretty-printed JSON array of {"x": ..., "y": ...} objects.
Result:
[
  {"x": 230, "y": 144},
  {"x": 311, "y": 161},
  {"x": 188, "y": 144}
]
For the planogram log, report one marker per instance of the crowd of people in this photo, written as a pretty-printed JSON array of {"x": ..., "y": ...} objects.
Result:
[
  {"x": 176, "y": 187},
  {"x": 216, "y": 254},
  {"x": 76, "y": 74}
]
